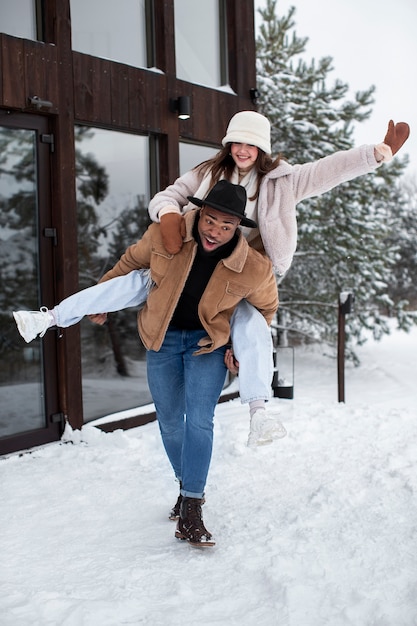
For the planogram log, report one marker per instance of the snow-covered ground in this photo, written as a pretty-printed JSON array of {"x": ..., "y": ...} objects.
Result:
[{"x": 317, "y": 529}]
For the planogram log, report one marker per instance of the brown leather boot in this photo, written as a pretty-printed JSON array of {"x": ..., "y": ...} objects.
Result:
[
  {"x": 190, "y": 526},
  {"x": 175, "y": 511}
]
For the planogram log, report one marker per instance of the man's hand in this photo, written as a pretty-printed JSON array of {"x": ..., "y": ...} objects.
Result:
[
  {"x": 172, "y": 232},
  {"x": 397, "y": 135},
  {"x": 230, "y": 362},
  {"x": 98, "y": 318}
]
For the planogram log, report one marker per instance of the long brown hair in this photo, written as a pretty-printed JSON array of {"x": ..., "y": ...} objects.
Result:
[{"x": 223, "y": 164}]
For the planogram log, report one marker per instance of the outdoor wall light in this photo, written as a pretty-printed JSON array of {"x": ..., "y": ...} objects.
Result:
[
  {"x": 38, "y": 103},
  {"x": 254, "y": 95},
  {"x": 181, "y": 106}
]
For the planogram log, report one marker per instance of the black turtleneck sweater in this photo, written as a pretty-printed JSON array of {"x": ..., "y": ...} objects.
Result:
[{"x": 186, "y": 314}]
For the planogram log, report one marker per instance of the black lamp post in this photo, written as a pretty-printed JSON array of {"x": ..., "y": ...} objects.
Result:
[{"x": 346, "y": 301}]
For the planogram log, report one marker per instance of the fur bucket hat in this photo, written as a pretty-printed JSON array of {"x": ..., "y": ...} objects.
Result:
[{"x": 251, "y": 128}]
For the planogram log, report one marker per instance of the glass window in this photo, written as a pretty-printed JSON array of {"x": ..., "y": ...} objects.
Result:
[
  {"x": 18, "y": 18},
  {"x": 111, "y": 30},
  {"x": 192, "y": 154},
  {"x": 112, "y": 198},
  {"x": 199, "y": 42},
  {"x": 21, "y": 371}
]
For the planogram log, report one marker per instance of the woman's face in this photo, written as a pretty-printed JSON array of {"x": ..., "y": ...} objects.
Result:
[{"x": 244, "y": 155}]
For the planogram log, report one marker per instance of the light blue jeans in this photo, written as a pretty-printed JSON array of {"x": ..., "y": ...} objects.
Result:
[
  {"x": 251, "y": 336},
  {"x": 116, "y": 294},
  {"x": 185, "y": 389},
  {"x": 252, "y": 346}
]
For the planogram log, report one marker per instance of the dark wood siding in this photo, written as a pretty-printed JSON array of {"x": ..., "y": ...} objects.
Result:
[{"x": 98, "y": 92}]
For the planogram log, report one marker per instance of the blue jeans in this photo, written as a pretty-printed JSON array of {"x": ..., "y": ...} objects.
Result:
[
  {"x": 185, "y": 389},
  {"x": 251, "y": 335}
]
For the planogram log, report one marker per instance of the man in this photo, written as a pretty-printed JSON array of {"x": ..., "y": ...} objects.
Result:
[{"x": 185, "y": 326}]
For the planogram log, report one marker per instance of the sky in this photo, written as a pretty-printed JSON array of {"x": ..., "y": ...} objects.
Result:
[
  {"x": 316, "y": 529},
  {"x": 371, "y": 43}
]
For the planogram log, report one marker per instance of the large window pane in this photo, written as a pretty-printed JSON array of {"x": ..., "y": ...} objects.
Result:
[
  {"x": 112, "y": 199},
  {"x": 18, "y": 18},
  {"x": 21, "y": 373},
  {"x": 198, "y": 41},
  {"x": 192, "y": 154},
  {"x": 111, "y": 30}
]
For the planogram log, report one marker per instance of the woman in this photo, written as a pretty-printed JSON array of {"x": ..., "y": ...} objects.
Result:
[{"x": 274, "y": 187}]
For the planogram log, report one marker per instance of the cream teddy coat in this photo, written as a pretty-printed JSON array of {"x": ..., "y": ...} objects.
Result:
[{"x": 280, "y": 191}]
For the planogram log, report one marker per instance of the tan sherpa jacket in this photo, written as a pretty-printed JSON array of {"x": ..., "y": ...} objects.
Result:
[
  {"x": 279, "y": 193},
  {"x": 245, "y": 274}
]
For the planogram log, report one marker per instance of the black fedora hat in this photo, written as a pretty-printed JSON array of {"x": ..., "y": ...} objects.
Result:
[{"x": 227, "y": 198}]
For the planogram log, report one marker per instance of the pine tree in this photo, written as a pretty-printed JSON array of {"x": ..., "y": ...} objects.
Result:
[
  {"x": 344, "y": 235},
  {"x": 403, "y": 235}
]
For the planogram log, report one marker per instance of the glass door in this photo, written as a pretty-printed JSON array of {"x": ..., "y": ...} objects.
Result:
[{"x": 25, "y": 266}]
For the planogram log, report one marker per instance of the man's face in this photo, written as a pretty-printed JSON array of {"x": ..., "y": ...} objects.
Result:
[{"x": 216, "y": 228}]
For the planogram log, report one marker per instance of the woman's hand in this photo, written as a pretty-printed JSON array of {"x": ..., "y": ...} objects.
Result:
[
  {"x": 397, "y": 135},
  {"x": 230, "y": 362},
  {"x": 172, "y": 227}
]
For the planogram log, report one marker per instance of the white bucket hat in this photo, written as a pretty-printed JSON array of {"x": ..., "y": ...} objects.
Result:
[{"x": 249, "y": 127}]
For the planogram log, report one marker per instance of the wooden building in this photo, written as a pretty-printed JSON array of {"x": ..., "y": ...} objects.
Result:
[{"x": 89, "y": 131}]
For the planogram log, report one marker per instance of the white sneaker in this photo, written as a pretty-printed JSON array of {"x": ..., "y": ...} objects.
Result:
[
  {"x": 30, "y": 324},
  {"x": 264, "y": 428}
]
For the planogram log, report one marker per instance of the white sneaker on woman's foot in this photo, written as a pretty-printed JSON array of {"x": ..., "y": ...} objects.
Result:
[
  {"x": 30, "y": 324},
  {"x": 264, "y": 428}
]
